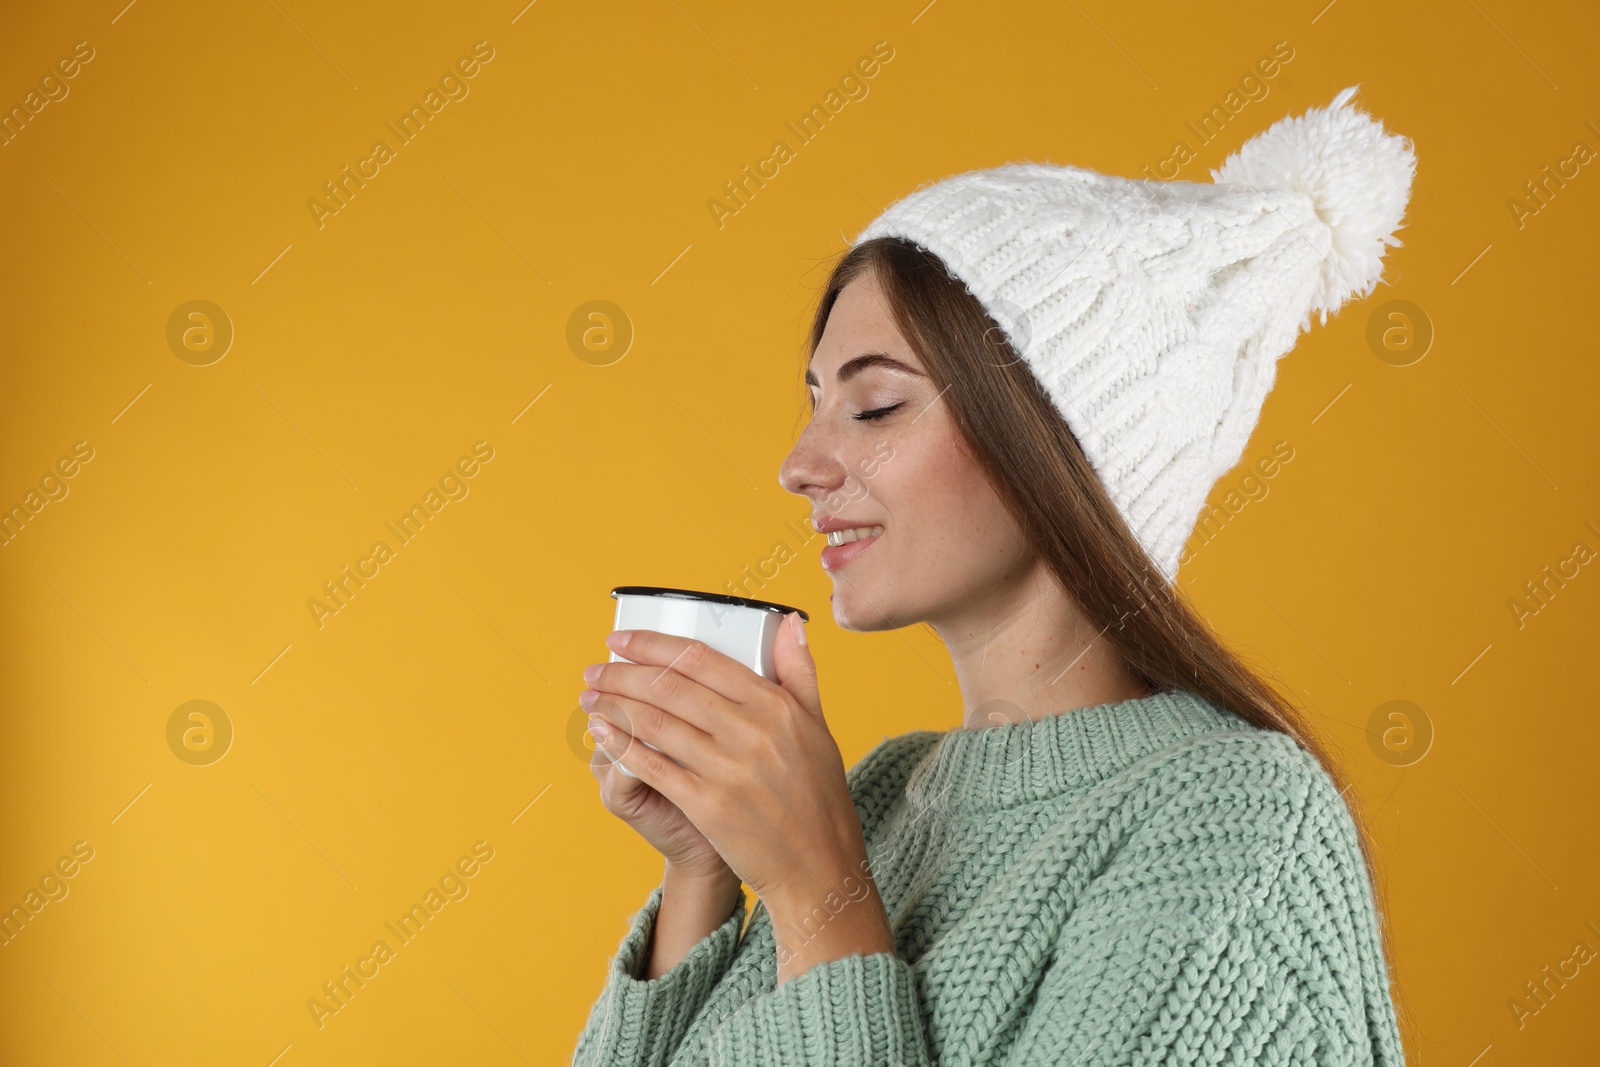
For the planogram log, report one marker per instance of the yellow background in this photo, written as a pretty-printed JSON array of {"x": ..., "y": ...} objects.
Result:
[{"x": 427, "y": 314}]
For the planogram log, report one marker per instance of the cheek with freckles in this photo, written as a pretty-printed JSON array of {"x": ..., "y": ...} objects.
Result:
[
  {"x": 938, "y": 479},
  {"x": 955, "y": 531}
]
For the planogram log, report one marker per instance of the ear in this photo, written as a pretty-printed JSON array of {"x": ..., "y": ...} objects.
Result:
[{"x": 797, "y": 671}]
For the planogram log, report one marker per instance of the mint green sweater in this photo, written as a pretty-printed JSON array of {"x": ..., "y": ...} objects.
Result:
[{"x": 1151, "y": 881}]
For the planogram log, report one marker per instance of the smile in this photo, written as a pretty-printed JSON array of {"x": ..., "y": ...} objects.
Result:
[
  {"x": 846, "y": 545},
  {"x": 860, "y": 533}
]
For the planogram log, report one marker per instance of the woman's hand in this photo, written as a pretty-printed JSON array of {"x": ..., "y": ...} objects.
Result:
[
  {"x": 659, "y": 821},
  {"x": 762, "y": 778}
]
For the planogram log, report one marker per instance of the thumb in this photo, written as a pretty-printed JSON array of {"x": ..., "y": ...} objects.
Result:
[{"x": 797, "y": 671}]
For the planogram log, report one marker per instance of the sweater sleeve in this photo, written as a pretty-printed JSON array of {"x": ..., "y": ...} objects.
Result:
[
  {"x": 639, "y": 1022},
  {"x": 858, "y": 1011},
  {"x": 1243, "y": 933}
]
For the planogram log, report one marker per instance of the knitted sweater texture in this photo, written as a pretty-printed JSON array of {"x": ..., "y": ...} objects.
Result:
[{"x": 1154, "y": 881}]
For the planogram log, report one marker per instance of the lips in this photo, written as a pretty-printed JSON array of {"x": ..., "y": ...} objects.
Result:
[
  {"x": 833, "y": 524},
  {"x": 837, "y": 556}
]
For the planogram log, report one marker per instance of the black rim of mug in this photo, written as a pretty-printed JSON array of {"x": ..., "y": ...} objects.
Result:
[{"x": 714, "y": 598}]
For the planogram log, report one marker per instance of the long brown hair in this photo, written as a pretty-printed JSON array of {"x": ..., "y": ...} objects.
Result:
[{"x": 1038, "y": 469}]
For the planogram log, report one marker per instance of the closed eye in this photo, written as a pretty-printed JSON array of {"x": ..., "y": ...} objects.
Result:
[{"x": 877, "y": 413}]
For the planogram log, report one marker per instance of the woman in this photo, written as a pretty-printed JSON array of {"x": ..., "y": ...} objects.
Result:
[{"x": 1133, "y": 850}]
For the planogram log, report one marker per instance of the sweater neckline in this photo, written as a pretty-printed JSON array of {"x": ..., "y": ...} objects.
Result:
[{"x": 1013, "y": 764}]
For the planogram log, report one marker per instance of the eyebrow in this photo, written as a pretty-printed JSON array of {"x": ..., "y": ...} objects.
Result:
[{"x": 860, "y": 363}]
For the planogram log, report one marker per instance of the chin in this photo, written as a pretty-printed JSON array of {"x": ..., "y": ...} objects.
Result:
[{"x": 863, "y": 614}]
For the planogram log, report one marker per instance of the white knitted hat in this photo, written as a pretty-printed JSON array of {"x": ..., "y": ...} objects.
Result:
[{"x": 1154, "y": 313}]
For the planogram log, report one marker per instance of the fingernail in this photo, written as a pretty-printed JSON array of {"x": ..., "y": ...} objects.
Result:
[
  {"x": 617, "y": 640},
  {"x": 591, "y": 672},
  {"x": 599, "y": 729},
  {"x": 799, "y": 628},
  {"x": 587, "y": 697}
]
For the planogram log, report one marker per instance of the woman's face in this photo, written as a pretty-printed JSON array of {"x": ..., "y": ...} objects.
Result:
[{"x": 948, "y": 545}]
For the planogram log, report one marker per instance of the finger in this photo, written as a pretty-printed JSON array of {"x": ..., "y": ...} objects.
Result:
[
  {"x": 668, "y": 689},
  {"x": 602, "y": 765},
  {"x": 651, "y": 767},
  {"x": 794, "y": 665},
  {"x": 643, "y": 721},
  {"x": 694, "y": 659}
]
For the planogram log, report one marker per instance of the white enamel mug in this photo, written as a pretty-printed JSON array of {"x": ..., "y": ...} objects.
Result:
[{"x": 742, "y": 629}]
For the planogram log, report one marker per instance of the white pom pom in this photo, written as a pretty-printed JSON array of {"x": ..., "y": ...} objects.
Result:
[{"x": 1357, "y": 176}]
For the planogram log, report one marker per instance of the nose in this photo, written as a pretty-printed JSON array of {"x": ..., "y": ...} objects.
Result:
[{"x": 811, "y": 469}]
